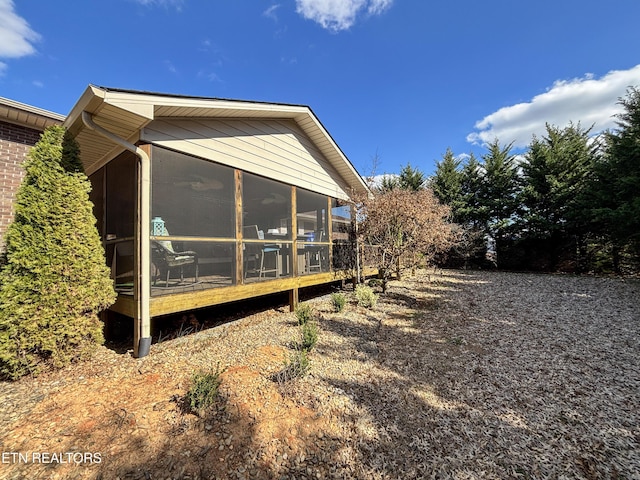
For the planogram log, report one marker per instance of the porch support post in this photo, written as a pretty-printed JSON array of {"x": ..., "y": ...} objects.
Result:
[
  {"x": 329, "y": 232},
  {"x": 356, "y": 247},
  {"x": 293, "y": 294},
  {"x": 293, "y": 299},
  {"x": 239, "y": 267}
]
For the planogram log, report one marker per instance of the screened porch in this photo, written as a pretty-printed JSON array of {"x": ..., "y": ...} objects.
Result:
[{"x": 215, "y": 227}]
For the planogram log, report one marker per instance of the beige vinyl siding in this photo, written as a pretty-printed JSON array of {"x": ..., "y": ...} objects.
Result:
[{"x": 277, "y": 149}]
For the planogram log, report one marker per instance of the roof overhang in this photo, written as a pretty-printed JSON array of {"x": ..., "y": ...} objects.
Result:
[
  {"x": 125, "y": 113},
  {"x": 27, "y": 115}
]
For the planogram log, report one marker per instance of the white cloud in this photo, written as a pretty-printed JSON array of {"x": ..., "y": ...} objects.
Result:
[
  {"x": 16, "y": 36},
  {"x": 337, "y": 15},
  {"x": 209, "y": 76},
  {"x": 177, "y": 4},
  {"x": 588, "y": 100},
  {"x": 376, "y": 7},
  {"x": 271, "y": 12},
  {"x": 214, "y": 77},
  {"x": 170, "y": 66}
]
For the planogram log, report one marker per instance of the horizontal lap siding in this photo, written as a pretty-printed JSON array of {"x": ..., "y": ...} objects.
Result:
[{"x": 276, "y": 149}]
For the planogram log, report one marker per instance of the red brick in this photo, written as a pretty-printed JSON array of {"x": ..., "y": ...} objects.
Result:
[{"x": 15, "y": 143}]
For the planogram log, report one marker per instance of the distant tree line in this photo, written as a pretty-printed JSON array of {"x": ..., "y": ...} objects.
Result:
[{"x": 571, "y": 202}]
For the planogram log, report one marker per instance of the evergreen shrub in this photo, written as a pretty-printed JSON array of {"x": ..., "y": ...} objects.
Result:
[
  {"x": 55, "y": 280},
  {"x": 304, "y": 313},
  {"x": 365, "y": 296},
  {"x": 338, "y": 301},
  {"x": 204, "y": 390},
  {"x": 309, "y": 335}
]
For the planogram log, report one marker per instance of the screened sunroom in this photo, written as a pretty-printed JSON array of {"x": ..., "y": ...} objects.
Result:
[
  {"x": 196, "y": 243},
  {"x": 203, "y": 201}
]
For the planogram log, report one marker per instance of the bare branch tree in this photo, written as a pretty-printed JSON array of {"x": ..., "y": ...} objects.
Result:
[{"x": 406, "y": 227}]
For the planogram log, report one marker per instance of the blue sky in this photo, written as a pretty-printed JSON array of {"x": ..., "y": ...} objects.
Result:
[{"x": 400, "y": 79}]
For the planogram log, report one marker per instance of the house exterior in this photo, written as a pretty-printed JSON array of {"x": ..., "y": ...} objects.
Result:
[
  {"x": 202, "y": 201},
  {"x": 20, "y": 129}
]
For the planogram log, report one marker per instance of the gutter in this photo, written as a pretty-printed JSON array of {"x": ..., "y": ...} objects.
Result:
[{"x": 142, "y": 247}]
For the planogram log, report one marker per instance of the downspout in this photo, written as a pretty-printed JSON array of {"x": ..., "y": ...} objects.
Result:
[{"x": 142, "y": 322}]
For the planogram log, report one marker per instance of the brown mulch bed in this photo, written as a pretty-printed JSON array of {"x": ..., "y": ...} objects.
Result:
[{"x": 453, "y": 375}]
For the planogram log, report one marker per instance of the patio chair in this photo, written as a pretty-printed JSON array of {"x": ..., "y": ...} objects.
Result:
[{"x": 165, "y": 258}]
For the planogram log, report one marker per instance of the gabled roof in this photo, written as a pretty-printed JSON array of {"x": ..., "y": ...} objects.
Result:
[
  {"x": 27, "y": 115},
  {"x": 126, "y": 112}
]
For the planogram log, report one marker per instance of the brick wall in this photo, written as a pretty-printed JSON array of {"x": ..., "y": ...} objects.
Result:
[{"x": 15, "y": 142}]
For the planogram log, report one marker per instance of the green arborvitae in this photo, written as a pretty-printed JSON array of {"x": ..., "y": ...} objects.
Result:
[
  {"x": 55, "y": 281},
  {"x": 70, "y": 160}
]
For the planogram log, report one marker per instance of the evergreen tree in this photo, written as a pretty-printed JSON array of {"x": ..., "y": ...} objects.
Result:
[
  {"x": 55, "y": 281},
  {"x": 411, "y": 178},
  {"x": 447, "y": 182},
  {"x": 498, "y": 191},
  {"x": 470, "y": 188},
  {"x": 388, "y": 183},
  {"x": 472, "y": 245},
  {"x": 555, "y": 172},
  {"x": 497, "y": 196},
  {"x": 615, "y": 191},
  {"x": 460, "y": 189}
]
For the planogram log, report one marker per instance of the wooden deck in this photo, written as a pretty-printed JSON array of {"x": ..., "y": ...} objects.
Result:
[{"x": 206, "y": 292}]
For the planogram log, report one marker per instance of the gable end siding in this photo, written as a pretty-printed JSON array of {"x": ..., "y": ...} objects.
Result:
[{"x": 276, "y": 149}]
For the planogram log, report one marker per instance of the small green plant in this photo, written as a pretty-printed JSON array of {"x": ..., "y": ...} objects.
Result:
[
  {"x": 304, "y": 313},
  {"x": 296, "y": 366},
  {"x": 204, "y": 390},
  {"x": 375, "y": 282},
  {"x": 365, "y": 296},
  {"x": 338, "y": 300},
  {"x": 309, "y": 335}
]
